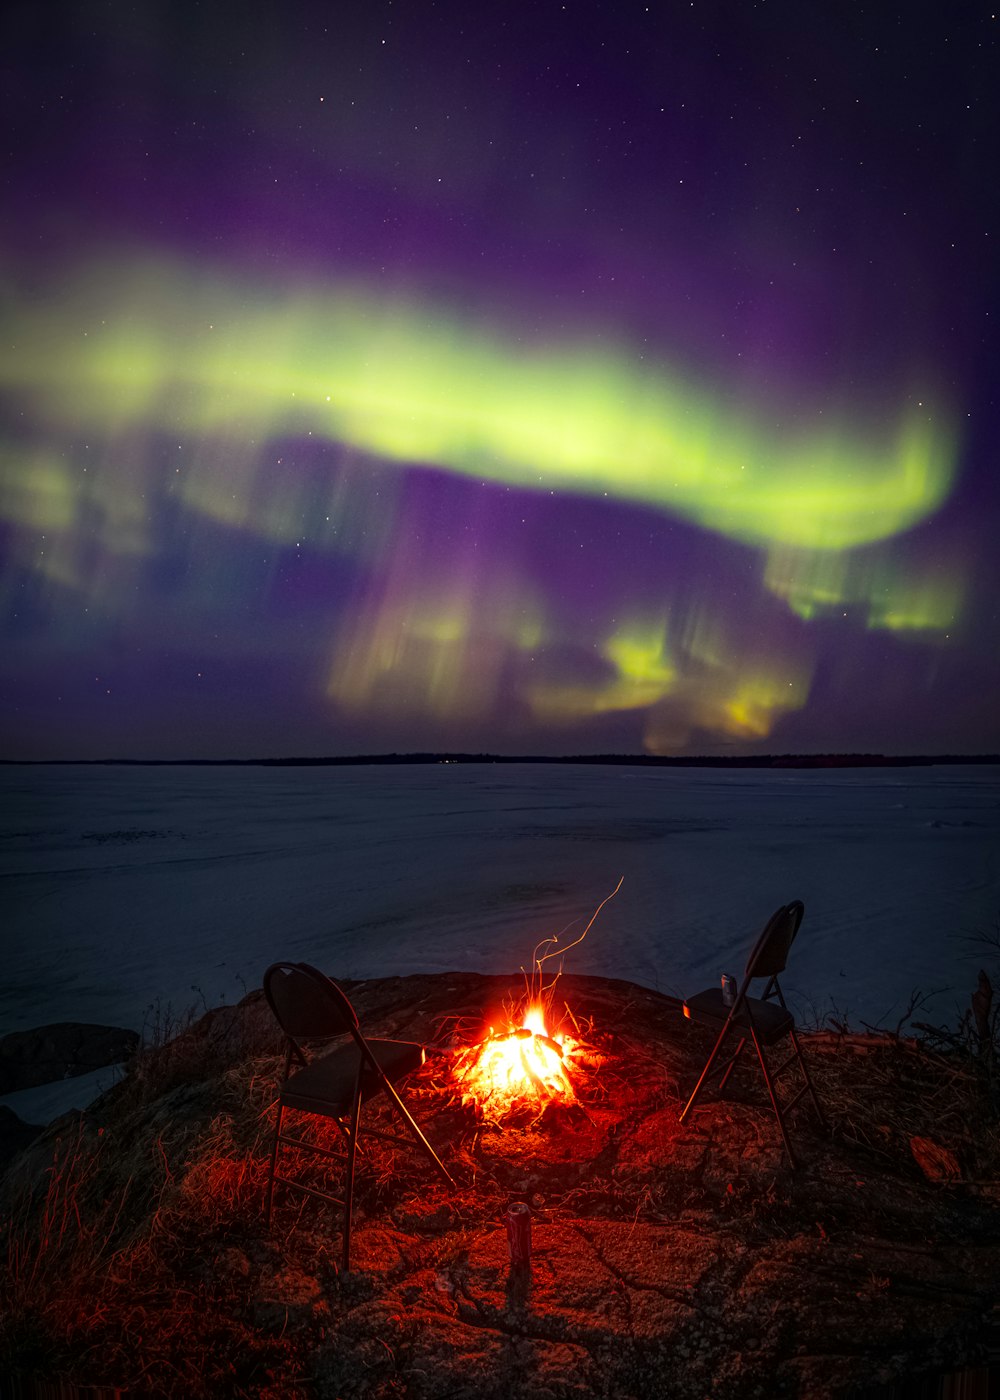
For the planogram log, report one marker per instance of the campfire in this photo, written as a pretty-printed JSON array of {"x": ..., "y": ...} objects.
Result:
[
  {"x": 521, "y": 1064},
  {"x": 531, "y": 1060}
]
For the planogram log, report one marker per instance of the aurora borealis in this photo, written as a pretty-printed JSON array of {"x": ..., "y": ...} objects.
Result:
[{"x": 538, "y": 379}]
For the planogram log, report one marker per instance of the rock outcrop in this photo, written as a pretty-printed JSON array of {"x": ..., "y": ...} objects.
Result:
[
  {"x": 687, "y": 1261},
  {"x": 15, "y": 1134},
  {"x": 60, "y": 1051}
]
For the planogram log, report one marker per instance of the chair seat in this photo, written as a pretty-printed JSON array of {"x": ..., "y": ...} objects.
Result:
[
  {"x": 326, "y": 1085},
  {"x": 770, "y": 1020}
]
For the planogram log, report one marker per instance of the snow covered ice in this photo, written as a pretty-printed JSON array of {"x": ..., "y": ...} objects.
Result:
[{"x": 128, "y": 886}]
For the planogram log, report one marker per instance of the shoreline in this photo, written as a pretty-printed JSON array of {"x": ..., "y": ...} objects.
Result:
[{"x": 764, "y": 761}]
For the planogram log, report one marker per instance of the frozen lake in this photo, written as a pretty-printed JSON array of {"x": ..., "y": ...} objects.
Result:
[{"x": 122, "y": 886}]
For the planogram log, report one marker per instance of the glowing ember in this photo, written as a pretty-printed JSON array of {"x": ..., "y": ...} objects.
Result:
[{"x": 519, "y": 1064}]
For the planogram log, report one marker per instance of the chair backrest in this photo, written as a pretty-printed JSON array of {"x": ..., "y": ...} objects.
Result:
[
  {"x": 308, "y": 1005},
  {"x": 770, "y": 952}
]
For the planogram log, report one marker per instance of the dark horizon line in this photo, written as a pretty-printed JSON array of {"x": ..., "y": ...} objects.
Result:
[{"x": 787, "y": 760}]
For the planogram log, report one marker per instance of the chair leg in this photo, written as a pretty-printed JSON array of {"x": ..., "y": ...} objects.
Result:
[
  {"x": 774, "y": 1098},
  {"x": 415, "y": 1129},
  {"x": 706, "y": 1071},
  {"x": 352, "y": 1150},
  {"x": 274, "y": 1164},
  {"x": 732, "y": 1065},
  {"x": 808, "y": 1078}
]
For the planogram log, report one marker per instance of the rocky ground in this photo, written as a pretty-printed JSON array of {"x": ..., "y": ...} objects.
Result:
[{"x": 684, "y": 1261}]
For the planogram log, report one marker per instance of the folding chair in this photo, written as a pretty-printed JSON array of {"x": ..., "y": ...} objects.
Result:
[
  {"x": 309, "y": 1006},
  {"x": 760, "y": 1019}
]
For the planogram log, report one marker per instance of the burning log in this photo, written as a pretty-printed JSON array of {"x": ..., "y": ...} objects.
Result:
[{"x": 519, "y": 1065}]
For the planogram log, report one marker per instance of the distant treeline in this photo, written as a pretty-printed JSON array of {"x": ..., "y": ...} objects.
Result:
[{"x": 785, "y": 760}]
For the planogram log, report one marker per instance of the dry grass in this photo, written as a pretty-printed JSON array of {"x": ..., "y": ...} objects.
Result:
[{"x": 110, "y": 1243}]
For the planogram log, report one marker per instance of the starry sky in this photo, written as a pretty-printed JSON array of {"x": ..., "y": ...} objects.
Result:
[{"x": 523, "y": 378}]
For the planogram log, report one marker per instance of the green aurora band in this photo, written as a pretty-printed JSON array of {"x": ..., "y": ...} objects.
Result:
[{"x": 130, "y": 347}]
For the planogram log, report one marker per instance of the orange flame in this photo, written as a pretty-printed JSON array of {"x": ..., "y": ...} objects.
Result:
[{"x": 524, "y": 1062}]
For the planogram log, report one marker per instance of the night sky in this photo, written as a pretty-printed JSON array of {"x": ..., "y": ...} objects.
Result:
[{"x": 525, "y": 378}]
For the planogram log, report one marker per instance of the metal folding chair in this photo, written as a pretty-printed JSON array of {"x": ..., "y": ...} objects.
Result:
[
  {"x": 762, "y": 1019},
  {"x": 309, "y": 1006}
]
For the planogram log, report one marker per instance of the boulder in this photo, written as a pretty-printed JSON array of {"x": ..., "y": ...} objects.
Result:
[{"x": 60, "y": 1051}]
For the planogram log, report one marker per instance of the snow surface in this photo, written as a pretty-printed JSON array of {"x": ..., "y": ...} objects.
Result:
[{"x": 135, "y": 891}]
